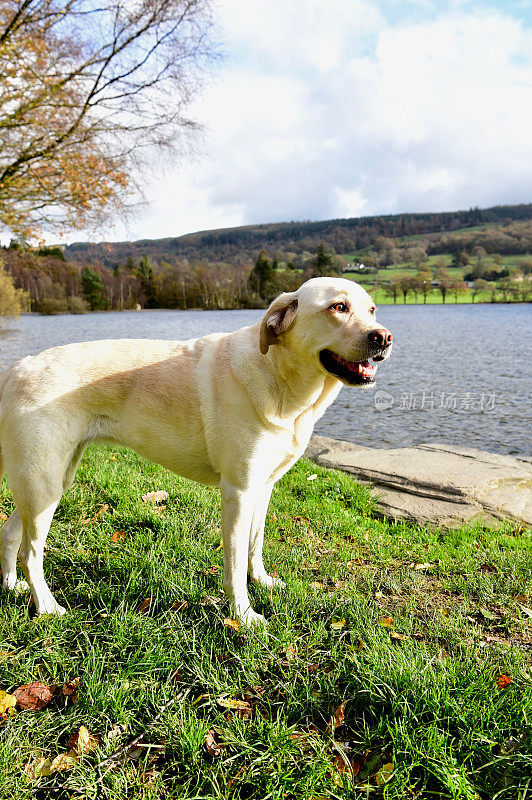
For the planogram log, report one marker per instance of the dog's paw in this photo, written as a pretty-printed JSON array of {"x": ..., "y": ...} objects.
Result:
[
  {"x": 250, "y": 618},
  {"x": 11, "y": 584},
  {"x": 269, "y": 582},
  {"x": 50, "y": 607}
]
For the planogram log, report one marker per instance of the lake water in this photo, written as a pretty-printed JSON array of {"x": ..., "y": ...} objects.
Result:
[{"x": 459, "y": 374}]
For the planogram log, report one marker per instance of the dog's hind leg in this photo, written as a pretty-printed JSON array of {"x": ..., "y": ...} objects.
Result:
[
  {"x": 11, "y": 540},
  {"x": 36, "y": 493}
]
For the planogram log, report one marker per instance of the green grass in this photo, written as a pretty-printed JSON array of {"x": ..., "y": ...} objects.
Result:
[{"x": 427, "y": 704}]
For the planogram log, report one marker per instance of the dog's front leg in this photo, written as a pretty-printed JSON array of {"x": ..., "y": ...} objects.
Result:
[
  {"x": 257, "y": 569},
  {"x": 237, "y": 514}
]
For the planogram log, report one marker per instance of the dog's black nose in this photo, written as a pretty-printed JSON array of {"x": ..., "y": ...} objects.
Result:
[{"x": 380, "y": 338}]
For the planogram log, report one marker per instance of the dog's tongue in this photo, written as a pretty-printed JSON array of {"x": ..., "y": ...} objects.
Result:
[{"x": 362, "y": 368}]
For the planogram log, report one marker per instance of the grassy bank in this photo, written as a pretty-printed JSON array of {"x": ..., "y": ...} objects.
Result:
[{"x": 424, "y": 716}]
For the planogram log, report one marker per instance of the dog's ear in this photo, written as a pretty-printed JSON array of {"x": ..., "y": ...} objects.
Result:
[{"x": 277, "y": 320}]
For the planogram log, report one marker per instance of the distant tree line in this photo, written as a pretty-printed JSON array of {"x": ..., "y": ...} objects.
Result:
[
  {"x": 53, "y": 285},
  {"x": 507, "y": 230}
]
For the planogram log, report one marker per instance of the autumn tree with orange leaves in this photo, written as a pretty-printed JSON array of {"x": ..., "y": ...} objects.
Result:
[{"x": 89, "y": 93}]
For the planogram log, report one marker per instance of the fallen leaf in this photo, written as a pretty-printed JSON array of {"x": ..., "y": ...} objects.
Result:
[
  {"x": 144, "y": 606},
  {"x": 316, "y": 585},
  {"x": 7, "y": 702},
  {"x": 356, "y": 648},
  {"x": 344, "y": 766},
  {"x": 386, "y": 622},
  {"x": 232, "y": 623},
  {"x": 337, "y": 624},
  {"x": 102, "y": 510},
  {"x": 83, "y": 741},
  {"x": 312, "y": 477},
  {"x": 300, "y": 520},
  {"x": 337, "y": 718},
  {"x": 420, "y": 567},
  {"x": 212, "y": 743},
  {"x": 384, "y": 774},
  {"x": 118, "y": 536},
  {"x": 209, "y": 600},
  {"x": 155, "y": 497},
  {"x": 34, "y": 696},
  {"x": 116, "y": 730},
  {"x": 399, "y": 637},
  {"x": 212, "y": 570},
  {"x": 179, "y": 605},
  {"x": 234, "y": 705},
  {"x": 503, "y": 681},
  {"x": 71, "y": 689},
  {"x": 63, "y": 762},
  {"x": 39, "y": 768},
  {"x": 3, "y": 516}
]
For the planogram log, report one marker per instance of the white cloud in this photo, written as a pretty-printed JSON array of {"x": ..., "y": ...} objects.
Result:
[{"x": 330, "y": 109}]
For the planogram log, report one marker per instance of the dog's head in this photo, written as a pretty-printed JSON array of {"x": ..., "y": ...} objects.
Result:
[{"x": 331, "y": 322}]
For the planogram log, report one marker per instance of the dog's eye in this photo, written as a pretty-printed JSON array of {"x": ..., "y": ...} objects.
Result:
[
  {"x": 372, "y": 310},
  {"x": 341, "y": 307}
]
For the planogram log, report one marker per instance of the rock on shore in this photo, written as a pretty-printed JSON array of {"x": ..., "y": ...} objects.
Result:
[{"x": 435, "y": 483}]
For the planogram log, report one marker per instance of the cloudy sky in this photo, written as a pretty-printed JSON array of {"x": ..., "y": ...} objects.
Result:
[{"x": 341, "y": 108}]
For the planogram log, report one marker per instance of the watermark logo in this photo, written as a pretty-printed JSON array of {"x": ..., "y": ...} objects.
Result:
[
  {"x": 462, "y": 403},
  {"x": 383, "y": 400}
]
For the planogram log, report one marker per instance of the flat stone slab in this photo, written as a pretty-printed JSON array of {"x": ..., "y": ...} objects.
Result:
[{"x": 435, "y": 483}]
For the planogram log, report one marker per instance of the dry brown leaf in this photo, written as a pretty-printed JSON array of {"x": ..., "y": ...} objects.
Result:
[
  {"x": 337, "y": 624},
  {"x": 398, "y": 637},
  {"x": 212, "y": 743},
  {"x": 358, "y": 646},
  {"x": 155, "y": 497},
  {"x": 179, "y": 605},
  {"x": 300, "y": 520},
  {"x": 337, "y": 718},
  {"x": 234, "y": 705},
  {"x": 316, "y": 585},
  {"x": 386, "y": 622},
  {"x": 34, "y": 696},
  {"x": 64, "y": 761},
  {"x": 7, "y": 702},
  {"x": 71, "y": 689},
  {"x": 3, "y": 516},
  {"x": 83, "y": 741},
  {"x": 349, "y": 767},
  {"x": 503, "y": 681},
  {"x": 232, "y": 623},
  {"x": 117, "y": 536},
  {"x": 102, "y": 510},
  {"x": 144, "y": 607}
]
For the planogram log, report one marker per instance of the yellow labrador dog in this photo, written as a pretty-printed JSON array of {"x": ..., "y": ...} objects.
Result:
[{"x": 235, "y": 410}]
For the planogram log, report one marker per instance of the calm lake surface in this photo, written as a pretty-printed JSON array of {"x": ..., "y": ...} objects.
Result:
[{"x": 459, "y": 374}]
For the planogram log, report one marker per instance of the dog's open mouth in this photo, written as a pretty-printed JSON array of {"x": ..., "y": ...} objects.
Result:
[{"x": 356, "y": 373}]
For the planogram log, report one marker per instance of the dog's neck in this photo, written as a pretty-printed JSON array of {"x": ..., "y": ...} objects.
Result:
[{"x": 301, "y": 386}]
